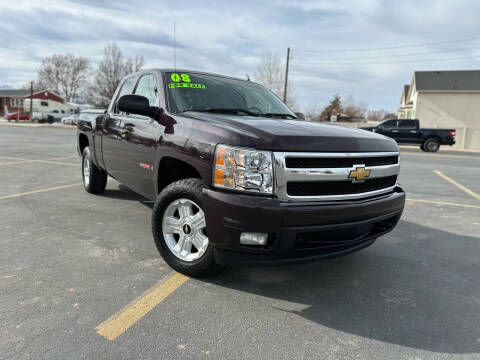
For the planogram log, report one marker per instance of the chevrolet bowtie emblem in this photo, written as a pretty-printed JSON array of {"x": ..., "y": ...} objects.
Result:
[{"x": 359, "y": 173}]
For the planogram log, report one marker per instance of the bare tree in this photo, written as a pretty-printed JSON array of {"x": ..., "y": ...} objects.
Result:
[
  {"x": 65, "y": 74},
  {"x": 312, "y": 111},
  {"x": 353, "y": 109},
  {"x": 389, "y": 115},
  {"x": 111, "y": 70},
  {"x": 271, "y": 74},
  {"x": 378, "y": 115}
]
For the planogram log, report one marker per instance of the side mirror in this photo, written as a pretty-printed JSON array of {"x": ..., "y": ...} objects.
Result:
[
  {"x": 300, "y": 115},
  {"x": 380, "y": 127},
  {"x": 136, "y": 104}
]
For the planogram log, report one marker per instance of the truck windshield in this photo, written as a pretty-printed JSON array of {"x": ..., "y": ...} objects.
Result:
[{"x": 209, "y": 93}]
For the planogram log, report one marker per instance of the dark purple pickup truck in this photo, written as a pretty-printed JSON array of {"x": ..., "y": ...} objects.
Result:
[{"x": 236, "y": 176}]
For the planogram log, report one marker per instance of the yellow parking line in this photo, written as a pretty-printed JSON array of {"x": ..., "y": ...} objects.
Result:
[
  {"x": 120, "y": 322},
  {"x": 444, "y": 203},
  {"x": 39, "y": 191},
  {"x": 460, "y": 186}
]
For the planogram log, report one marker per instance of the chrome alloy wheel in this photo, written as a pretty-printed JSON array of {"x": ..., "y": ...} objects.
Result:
[
  {"x": 184, "y": 230},
  {"x": 86, "y": 171}
]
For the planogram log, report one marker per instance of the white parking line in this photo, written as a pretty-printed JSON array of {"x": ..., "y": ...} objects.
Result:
[
  {"x": 46, "y": 161},
  {"x": 444, "y": 203},
  {"x": 39, "y": 191}
]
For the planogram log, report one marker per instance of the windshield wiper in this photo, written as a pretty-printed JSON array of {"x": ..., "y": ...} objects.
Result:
[
  {"x": 279, "y": 115},
  {"x": 226, "y": 111}
]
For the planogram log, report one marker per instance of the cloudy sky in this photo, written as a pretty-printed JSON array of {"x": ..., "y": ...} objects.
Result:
[{"x": 331, "y": 41}]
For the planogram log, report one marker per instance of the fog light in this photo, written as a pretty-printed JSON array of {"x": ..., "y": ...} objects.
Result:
[{"x": 258, "y": 239}]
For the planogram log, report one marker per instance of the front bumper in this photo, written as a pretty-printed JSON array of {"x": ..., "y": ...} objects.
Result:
[{"x": 297, "y": 231}]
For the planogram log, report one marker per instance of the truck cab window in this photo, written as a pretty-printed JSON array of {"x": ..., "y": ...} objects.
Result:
[
  {"x": 407, "y": 124},
  {"x": 147, "y": 86},
  {"x": 127, "y": 89},
  {"x": 390, "y": 124}
]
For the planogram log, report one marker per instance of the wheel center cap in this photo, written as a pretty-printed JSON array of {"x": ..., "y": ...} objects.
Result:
[{"x": 187, "y": 229}]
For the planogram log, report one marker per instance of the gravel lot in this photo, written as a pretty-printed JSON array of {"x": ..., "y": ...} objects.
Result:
[{"x": 69, "y": 261}]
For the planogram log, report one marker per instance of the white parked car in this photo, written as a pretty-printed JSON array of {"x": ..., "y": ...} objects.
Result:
[
  {"x": 90, "y": 114},
  {"x": 70, "y": 120}
]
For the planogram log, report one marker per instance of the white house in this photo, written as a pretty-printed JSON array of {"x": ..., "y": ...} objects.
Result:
[{"x": 445, "y": 99}]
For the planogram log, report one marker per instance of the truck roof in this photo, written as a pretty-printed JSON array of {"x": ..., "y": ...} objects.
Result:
[{"x": 193, "y": 72}]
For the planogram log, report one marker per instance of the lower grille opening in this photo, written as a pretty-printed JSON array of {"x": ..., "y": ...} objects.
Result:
[
  {"x": 319, "y": 188},
  {"x": 331, "y": 241}
]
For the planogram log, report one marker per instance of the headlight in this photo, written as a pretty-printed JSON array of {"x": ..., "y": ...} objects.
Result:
[{"x": 243, "y": 169}]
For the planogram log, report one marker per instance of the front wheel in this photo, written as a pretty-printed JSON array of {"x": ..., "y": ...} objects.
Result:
[
  {"x": 94, "y": 179},
  {"x": 180, "y": 231}
]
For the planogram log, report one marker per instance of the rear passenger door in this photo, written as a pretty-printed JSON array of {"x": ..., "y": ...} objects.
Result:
[{"x": 141, "y": 134}]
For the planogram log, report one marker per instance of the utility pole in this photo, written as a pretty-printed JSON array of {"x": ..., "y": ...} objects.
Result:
[
  {"x": 286, "y": 77},
  {"x": 31, "y": 101}
]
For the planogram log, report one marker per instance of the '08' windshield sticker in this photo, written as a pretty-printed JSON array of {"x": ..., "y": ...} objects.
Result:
[{"x": 183, "y": 81}]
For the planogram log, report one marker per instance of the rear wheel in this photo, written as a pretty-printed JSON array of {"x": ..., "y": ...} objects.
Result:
[
  {"x": 94, "y": 179},
  {"x": 180, "y": 231},
  {"x": 431, "y": 145}
]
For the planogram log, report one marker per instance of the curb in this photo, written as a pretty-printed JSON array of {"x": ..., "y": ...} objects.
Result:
[
  {"x": 442, "y": 150},
  {"x": 59, "y": 126}
]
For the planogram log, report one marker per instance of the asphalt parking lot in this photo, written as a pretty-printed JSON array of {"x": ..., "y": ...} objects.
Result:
[{"x": 80, "y": 276}]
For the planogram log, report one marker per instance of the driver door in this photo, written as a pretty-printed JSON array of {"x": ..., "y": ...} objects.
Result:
[
  {"x": 140, "y": 140},
  {"x": 388, "y": 128},
  {"x": 114, "y": 151}
]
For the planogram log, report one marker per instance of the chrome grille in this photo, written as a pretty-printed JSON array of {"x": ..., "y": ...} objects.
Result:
[
  {"x": 312, "y": 162},
  {"x": 325, "y": 176}
]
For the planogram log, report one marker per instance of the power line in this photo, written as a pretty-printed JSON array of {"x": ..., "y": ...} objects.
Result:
[
  {"x": 389, "y": 62},
  {"x": 399, "y": 55},
  {"x": 393, "y": 47}
]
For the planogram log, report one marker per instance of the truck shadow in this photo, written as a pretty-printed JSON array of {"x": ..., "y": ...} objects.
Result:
[
  {"x": 124, "y": 193},
  {"x": 416, "y": 287}
]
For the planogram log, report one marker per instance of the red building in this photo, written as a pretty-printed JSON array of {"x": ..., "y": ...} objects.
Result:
[{"x": 13, "y": 100}]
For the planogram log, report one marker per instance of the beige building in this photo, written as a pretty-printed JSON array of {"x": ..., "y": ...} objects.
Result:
[{"x": 445, "y": 99}]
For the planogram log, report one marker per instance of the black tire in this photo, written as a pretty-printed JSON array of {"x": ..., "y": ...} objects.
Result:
[
  {"x": 97, "y": 178},
  {"x": 190, "y": 189},
  {"x": 422, "y": 148},
  {"x": 431, "y": 145}
]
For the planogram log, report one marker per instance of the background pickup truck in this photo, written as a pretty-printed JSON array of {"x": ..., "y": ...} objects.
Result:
[
  {"x": 238, "y": 178},
  {"x": 406, "y": 131}
]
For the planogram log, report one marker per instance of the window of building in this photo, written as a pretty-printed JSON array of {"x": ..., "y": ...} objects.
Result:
[
  {"x": 43, "y": 103},
  {"x": 15, "y": 102}
]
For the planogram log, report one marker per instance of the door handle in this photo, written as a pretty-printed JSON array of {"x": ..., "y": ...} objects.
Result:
[
  {"x": 413, "y": 131},
  {"x": 395, "y": 131}
]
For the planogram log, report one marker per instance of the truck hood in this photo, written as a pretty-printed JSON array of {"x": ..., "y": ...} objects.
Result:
[{"x": 296, "y": 135}]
